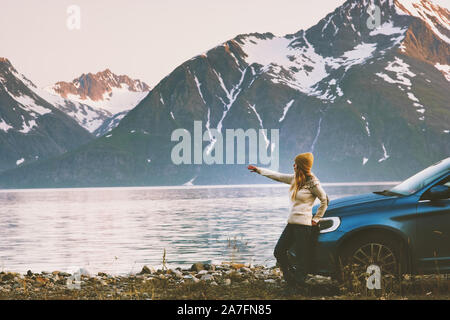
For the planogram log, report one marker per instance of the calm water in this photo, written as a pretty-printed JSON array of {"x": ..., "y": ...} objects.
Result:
[{"x": 118, "y": 230}]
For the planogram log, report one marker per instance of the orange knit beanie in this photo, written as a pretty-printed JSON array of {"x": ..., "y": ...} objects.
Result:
[{"x": 305, "y": 161}]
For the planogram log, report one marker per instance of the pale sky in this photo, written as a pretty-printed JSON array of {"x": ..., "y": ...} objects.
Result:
[{"x": 144, "y": 39}]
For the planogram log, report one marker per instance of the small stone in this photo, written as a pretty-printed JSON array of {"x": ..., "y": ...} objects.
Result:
[
  {"x": 207, "y": 277},
  {"x": 191, "y": 277},
  {"x": 29, "y": 273},
  {"x": 202, "y": 272},
  {"x": 266, "y": 272},
  {"x": 197, "y": 267},
  {"x": 7, "y": 277},
  {"x": 270, "y": 281},
  {"x": 178, "y": 274},
  {"x": 227, "y": 282},
  {"x": 40, "y": 281},
  {"x": 213, "y": 283},
  {"x": 145, "y": 270}
]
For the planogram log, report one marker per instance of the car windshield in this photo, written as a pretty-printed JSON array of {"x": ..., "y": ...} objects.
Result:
[{"x": 422, "y": 179}]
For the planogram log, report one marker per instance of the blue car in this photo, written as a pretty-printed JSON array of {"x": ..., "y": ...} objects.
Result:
[{"x": 402, "y": 230}]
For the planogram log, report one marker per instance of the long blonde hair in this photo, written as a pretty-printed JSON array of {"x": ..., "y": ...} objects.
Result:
[
  {"x": 298, "y": 182},
  {"x": 303, "y": 165}
]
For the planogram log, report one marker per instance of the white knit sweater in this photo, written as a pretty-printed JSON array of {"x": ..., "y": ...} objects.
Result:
[{"x": 301, "y": 208}]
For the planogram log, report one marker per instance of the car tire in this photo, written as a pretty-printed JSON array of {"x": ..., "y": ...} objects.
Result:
[{"x": 372, "y": 248}]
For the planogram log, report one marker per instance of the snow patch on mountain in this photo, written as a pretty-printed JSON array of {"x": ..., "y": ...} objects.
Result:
[
  {"x": 356, "y": 56},
  {"x": 366, "y": 125},
  {"x": 388, "y": 29},
  {"x": 286, "y": 109},
  {"x": 412, "y": 97},
  {"x": 385, "y": 155},
  {"x": 116, "y": 101},
  {"x": 27, "y": 126},
  {"x": 110, "y": 124},
  {"x": 190, "y": 182},
  {"x": 29, "y": 104},
  {"x": 199, "y": 89},
  {"x": 300, "y": 67},
  {"x": 401, "y": 71},
  {"x": 231, "y": 95},
  {"x": 317, "y": 135},
  {"x": 4, "y": 126},
  {"x": 445, "y": 69},
  {"x": 94, "y": 99},
  {"x": 88, "y": 117}
]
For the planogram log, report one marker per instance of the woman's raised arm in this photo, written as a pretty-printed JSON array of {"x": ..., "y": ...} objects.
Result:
[{"x": 277, "y": 176}]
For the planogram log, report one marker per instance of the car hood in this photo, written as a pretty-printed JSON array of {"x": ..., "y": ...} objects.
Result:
[{"x": 358, "y": 199}]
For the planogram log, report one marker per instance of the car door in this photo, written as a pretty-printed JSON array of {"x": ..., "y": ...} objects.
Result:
[{"x": 433, "y": 232}]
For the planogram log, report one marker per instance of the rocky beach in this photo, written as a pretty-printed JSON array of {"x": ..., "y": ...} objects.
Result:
[{"x": 204, "y": 281}]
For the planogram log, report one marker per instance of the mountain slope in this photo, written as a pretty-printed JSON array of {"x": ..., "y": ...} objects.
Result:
[
  {"x": 371, "y": 104},
  {"x": 30, "y": 127},
  {"x": 93, "y": 99}
]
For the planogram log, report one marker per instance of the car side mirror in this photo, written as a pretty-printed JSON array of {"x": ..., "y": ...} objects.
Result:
[{"x": 438, "y": 193}]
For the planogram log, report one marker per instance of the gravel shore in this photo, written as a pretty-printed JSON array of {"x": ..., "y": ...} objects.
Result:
[{"x": 203, "y": 281}]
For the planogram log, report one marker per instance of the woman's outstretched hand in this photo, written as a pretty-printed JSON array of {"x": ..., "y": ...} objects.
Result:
[{"x": 252, "y": 168}]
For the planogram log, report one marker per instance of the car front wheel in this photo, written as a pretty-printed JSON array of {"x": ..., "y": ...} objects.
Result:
[{"x": 378, "y": 251}]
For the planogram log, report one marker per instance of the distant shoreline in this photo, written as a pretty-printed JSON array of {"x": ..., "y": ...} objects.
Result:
[{"x": 224, "y": 186}]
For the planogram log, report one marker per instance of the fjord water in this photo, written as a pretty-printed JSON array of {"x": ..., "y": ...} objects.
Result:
[{"x": 118, "y": 230}]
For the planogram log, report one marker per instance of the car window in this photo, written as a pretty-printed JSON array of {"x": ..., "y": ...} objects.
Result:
[
  {"x": 445, "y": 182},
  {"x": 423, "y": 178}
]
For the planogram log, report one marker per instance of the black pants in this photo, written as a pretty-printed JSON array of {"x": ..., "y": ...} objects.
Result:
[{"x": 294, "y": 252}]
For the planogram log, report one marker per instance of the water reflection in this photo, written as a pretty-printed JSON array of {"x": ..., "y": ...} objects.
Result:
[{"x": 118, "y": 230}]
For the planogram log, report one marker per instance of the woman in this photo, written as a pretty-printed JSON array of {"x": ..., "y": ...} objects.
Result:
[{"x": 305, "y": 187}]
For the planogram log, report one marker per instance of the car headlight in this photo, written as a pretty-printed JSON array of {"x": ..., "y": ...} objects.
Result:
[{"x": 329, "y": 224}]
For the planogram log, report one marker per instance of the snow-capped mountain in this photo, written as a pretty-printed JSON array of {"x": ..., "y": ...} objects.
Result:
[
  {"x": 31, "y": 128},
  {"x": 366, "y": 89},
  {"x": 92, "y": 99}
]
